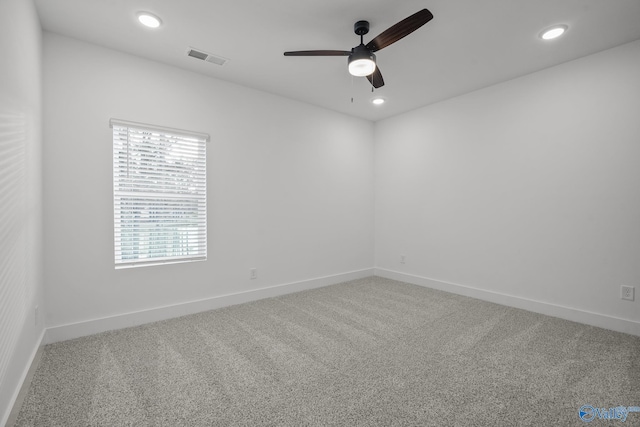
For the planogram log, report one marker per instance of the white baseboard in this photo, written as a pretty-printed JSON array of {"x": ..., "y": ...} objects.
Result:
[
  {"x": 9, "y": 418},
  {"x": 94, "y": 326},
  {"x": 589, "y": 318}
]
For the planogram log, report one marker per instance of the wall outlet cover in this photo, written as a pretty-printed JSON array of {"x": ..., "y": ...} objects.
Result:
[{"x": 627, "y": 292}]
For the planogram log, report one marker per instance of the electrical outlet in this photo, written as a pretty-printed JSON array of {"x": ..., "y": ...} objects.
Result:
[
  {"x": 253, "y": 274},
  {"x": 627, "y": 292},
  {"x": 403, "y": 259}
]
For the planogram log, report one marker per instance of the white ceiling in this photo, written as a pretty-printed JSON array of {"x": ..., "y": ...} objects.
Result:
[{"x": 468, "y": 45}]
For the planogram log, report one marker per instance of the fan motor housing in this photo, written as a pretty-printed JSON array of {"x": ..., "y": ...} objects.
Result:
[{"x": 361, "y": 52}]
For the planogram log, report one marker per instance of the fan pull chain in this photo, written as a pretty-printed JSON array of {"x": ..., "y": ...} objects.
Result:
[{"x": 352, "y": 89}]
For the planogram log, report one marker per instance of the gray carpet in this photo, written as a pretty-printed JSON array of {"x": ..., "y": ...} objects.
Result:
[{"x": 371, "y": 352}]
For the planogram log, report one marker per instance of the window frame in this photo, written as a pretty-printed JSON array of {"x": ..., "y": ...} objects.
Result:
[{"x": 162, "y": 197}]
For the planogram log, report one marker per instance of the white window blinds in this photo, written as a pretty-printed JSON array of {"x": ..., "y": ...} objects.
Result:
[{"x": 159, "y": 194}]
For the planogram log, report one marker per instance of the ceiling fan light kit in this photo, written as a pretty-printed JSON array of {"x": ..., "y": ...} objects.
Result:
[{"x": 362, "y": 60}]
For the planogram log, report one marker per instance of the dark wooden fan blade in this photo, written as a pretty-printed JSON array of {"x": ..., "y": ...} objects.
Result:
[
  {"x": 375, "y": 78},
  {"x": 318, "y": 53},
  {"x": 400, "y": 30}
]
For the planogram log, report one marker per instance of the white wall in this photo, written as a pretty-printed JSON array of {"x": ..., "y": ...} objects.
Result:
[
  {"x": 529, "y": 188},
  {"x": 290, "y": 186},
  {"x": 20, "y": 194}
]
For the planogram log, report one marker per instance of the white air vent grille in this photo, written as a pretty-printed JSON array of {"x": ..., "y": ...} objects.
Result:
[{"x": 208, "y": 57}]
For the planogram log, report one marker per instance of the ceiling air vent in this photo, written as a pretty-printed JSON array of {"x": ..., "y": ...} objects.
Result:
[{"x": 198, "y": 54}]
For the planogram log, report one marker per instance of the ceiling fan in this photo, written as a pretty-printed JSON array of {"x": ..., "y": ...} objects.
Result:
[{"x": 362, "y": 60}]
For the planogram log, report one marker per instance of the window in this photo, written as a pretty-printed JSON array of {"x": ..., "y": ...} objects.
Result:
[{"x": 159, "y": 194}]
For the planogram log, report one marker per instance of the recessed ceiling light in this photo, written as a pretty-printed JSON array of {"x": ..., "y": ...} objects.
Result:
[
  {"x": 378, "y": 101},
  {"x": 553, "y": 32},
  {"x": 149, "y": 20}
]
